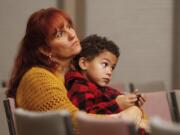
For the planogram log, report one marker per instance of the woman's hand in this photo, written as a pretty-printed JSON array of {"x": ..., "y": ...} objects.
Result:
[
  {"x": 135, "y": 114},
  {"x": 125, "y": 101}
]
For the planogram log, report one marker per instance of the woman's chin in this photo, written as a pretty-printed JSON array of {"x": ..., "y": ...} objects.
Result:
[{"x": 78, "y": 50}]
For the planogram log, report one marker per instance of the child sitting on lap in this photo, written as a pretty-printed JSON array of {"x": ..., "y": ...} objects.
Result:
[
  {"x": 88, "y": 84},
  {"x": 88, "y": 88}
]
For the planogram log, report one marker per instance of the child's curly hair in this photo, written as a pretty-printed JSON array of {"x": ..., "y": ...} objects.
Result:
[{"x": 92, "y": 46}]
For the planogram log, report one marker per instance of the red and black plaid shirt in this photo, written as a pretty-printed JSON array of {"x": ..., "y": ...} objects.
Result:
[{"x": 89, "y": 97}]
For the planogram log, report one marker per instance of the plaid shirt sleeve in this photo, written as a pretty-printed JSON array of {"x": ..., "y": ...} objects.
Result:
[{"x": 82, "y": 96}]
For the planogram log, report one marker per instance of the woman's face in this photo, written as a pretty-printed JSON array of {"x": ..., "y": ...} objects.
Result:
[{"x": 65, "y": 44}]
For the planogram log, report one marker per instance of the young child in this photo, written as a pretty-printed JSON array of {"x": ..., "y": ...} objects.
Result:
[{"x": 88, "y": 84}]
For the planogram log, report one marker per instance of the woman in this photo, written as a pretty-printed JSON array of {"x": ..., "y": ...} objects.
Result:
[{"x": 49, "y": 44}]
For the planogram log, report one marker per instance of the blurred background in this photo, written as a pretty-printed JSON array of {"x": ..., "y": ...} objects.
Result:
[{"x": 147, "y": 32}]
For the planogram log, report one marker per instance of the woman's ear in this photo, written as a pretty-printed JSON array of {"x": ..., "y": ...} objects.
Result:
[
  {"x": 44, "y": 51},
  {"x": 83, "y": 63}
]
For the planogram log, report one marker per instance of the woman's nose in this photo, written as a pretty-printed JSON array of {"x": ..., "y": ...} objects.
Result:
[{"x": 71, "y": 35}]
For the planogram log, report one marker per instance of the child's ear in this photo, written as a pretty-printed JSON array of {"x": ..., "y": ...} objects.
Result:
[{"x": 83, "y": 63}]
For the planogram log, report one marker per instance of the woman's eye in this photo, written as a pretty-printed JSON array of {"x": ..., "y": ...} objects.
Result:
[
  {"x": 69, "y": 26},
  {"x": 59, "y": 34}
]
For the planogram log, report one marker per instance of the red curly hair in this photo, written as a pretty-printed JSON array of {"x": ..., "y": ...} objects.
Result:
[{"x": 41, "y": 27}]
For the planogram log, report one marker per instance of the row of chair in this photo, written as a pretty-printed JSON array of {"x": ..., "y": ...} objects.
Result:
[
  {"x": 59, "y": 123},
  {"x": 163, "y": 104}
]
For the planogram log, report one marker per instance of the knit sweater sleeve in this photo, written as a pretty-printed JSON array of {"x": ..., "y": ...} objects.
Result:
[{"x": 40, "y": 90}]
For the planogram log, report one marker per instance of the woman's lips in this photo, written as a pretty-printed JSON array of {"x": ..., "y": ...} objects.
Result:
[{"x": 75, "y": 43}]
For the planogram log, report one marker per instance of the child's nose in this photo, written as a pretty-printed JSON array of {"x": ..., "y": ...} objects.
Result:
[{"x": 109, "y": 72}]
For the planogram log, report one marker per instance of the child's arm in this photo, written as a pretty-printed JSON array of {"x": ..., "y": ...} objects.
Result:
[{"x": 125, "y": 101}]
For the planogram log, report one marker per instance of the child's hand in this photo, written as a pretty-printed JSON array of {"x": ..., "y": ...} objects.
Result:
[
  {"x": 125, "y": 101},
  {"x": 140, "y": 98}
]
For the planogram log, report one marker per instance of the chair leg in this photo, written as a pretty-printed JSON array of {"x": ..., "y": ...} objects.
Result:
[{"x": 9, "y": 117}]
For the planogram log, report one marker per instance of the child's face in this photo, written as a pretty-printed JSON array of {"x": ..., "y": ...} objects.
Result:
[{"x": 99, "y": 70}]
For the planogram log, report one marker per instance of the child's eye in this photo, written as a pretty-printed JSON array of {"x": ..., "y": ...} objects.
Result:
[
  {"x": 104, "y": 64},
  {"x": 113, "y": 67}
]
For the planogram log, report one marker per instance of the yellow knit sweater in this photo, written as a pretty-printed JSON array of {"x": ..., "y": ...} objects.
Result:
[{"x": 41, "y": 90}]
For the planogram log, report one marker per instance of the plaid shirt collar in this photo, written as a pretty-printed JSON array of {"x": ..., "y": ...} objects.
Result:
[{"x": 74, "y": 75}]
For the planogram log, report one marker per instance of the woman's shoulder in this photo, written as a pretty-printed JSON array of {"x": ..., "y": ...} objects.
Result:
[
  {"x": 38, "y": 78},
  {"x": 40, "y": 75},
  {"x": 38, "y": 72}
]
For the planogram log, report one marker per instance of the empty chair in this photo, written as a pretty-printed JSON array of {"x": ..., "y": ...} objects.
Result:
[
  {"x": 4, "y": 130},
  {"x": 162, "y": 127},
  {"x": 157, "y": 105},
  {"x": 9, "y": 106},
  {"x": 151, "y": 86},
  {"x": 175, "y": 104},
  {"x": 90, "y": 125},
  {"x": 121, "y": 87},
  {"x": 43, "y": 123}
]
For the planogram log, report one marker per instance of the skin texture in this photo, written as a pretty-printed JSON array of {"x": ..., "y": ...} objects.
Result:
[
  {"x": 66, "y": 44},
  {"x": 99, "y": 70}
]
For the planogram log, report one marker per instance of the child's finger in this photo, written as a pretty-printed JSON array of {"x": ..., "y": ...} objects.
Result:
[
  {"x": 143, "y": 97},
  {"x": 140, "y": 102},
  {"x": 136, "y": 91},
  {"x": 133, "y": 99}
]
